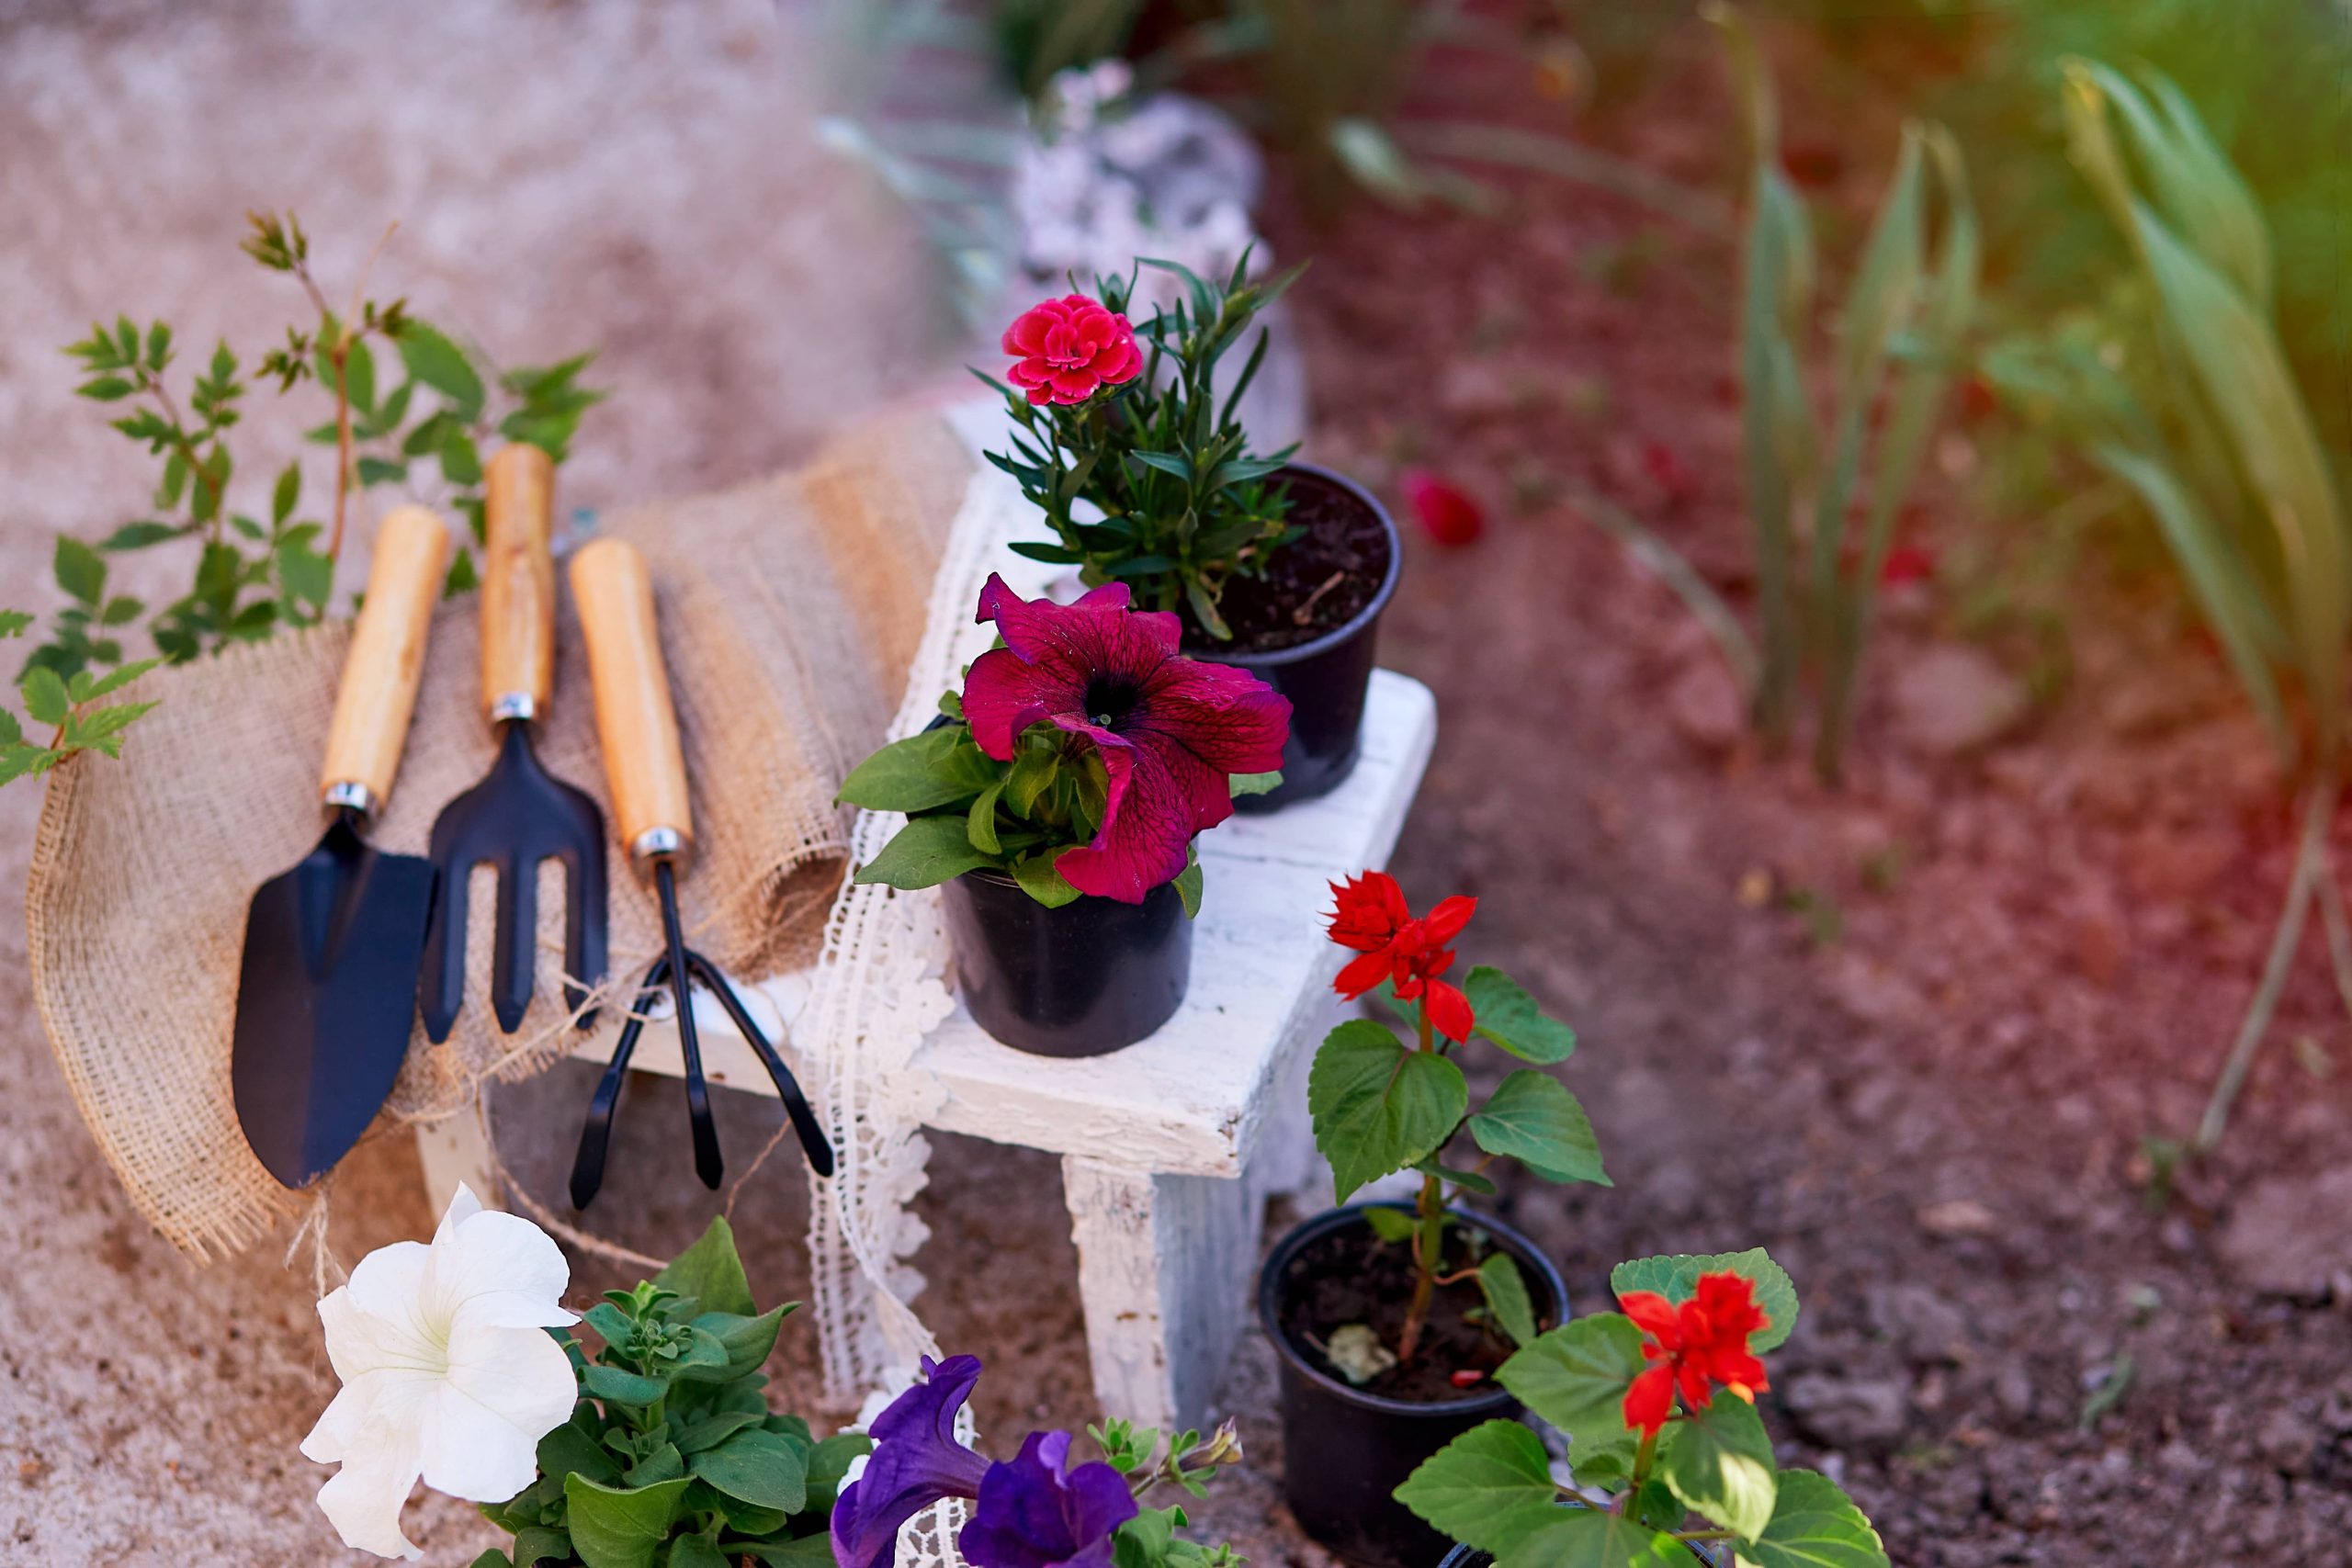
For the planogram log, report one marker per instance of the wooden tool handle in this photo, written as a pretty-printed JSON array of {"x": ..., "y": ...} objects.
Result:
[
  {"x": 517, "y": 583},
  {"x": 387, "y": 656},
  {"x": 634, "y": 722}
]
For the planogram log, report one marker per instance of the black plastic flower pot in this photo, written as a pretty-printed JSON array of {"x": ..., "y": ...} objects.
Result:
[
  {"x": 1081, "y": 980},
  {"x": 1324, "y": 678},
  {"x": 1346, "y": 1450}
]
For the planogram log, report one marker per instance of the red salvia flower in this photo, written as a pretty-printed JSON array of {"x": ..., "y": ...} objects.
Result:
[
  {"x": 1692, "y": 1346},
  {"x": 1448, "y": 513},
  {"x": 1067, "y": 349},
  {"x": 1370, "y": 916}
]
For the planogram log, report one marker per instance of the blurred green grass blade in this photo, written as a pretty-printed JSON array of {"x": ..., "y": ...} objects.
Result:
[
  {"x": 2194, "y": 185},
  {"x": 1922, "y": 386},
  {"x": 2232, "y": 601}
]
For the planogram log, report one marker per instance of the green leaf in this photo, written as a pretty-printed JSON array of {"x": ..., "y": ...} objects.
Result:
[
  {"x": 1034, "y": 768},
  {"x": 1720, "y": 1462},
  {"x": 1378, "y": 1107},
  {"x": 746, "y": 1341},
  {"x": 923, "y": 772},
  {"x": 927, "y": 852},
  {"x": 1390, "y": 1225},
  {"x": 758, "y": 1467},
  {"x": 101, "y": 729},
  {"x": 616, "y": 1386},
  {"x": 462, "y": 578},
  {"x": 711, "y": 1272},
  {"x": 1505, "y": 1288},
  {"x": 807, "y": 1551},
  {"x": 714, "y": 1430},
  {"x": 1189, "y": 888},
  {"x": 381, "y": 471},
  {"x": 1676, "y": 1279},
  {"x": 662, "y": 1464},
  {"x": 1530, "y": 1118},
  {"x": 979, "y": 823},
  {"x": 105, "y": 389},
  {"x": 698, "y": 1552},
  {"x": 1509, "y": 1017},
  {"x": 1039, "y": 879},
  {"x": 493, "y": 1558},
  {"x": 1253, "y": 783},
  {"x": 1590, "y": 1537},
  {"x": 120, "y": 610},
  {"x": 283, "y": 497},
  {"x": 574, "y": 1448},
  {"x": 541, "y": 1543},
  {"x": 139, "y": 535},
  {"x": 1814, "y": 1525},
  {"x": 829, "y": 1461},
  {"x": 1490, "y": 1488},
  {"x": 117, "y": 679},
  {"x": 1575, "y": 1377},
  {"x": 81, "y": 570},
  {"x": 460, "y": 464},
  {"x": 616, "y": 1528},
  {"x": 440, "y": 364},
  {"x": 45, "y": 699},
  {"x": 14, "y": 622}
]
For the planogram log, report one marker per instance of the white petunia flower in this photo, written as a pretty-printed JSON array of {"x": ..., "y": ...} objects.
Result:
[{"x": 447, "y": 1371}]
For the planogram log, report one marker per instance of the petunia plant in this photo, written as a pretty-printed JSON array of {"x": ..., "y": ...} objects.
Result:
[
  {"x": 1665, "y": 1448},
  {"x": 1381, "y": 1105},
  {"x": 1081, "y": 757},
  {"x": 1044, "y": 1508},
  {"x": 670, "y": 1453},
  {"x": 1137, "y": 429}
]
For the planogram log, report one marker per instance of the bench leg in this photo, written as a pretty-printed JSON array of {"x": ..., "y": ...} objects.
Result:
[
  {"x": 455, "y": 1149},
  {"x": 1163, "y": 1269}
]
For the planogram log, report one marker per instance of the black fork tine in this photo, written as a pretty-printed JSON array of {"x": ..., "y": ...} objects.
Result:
[
  {"x": 708, "y": 1164},
  {"x": 514, "y": 943},
  {"x": 584, "y": 935},
  {"x": 444, "y": 990},
  {"x": 596, "y": 1135},
  {"x": 813, "y": 1141}
]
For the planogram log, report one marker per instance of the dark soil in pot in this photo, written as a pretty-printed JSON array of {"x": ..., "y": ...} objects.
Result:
[
  {"x": 1317, "y": 583},
  {"x": 1346, "y": 1448},
  {"x": 1089, "y": 977},
  {"x": 1310, "y": 627}
]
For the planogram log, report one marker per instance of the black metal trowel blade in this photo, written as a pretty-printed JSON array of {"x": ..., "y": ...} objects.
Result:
[{"x": 326, "y": 1000}]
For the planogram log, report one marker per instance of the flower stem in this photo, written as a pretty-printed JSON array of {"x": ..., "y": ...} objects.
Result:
[
  {"x": 1645, "y": 1457},
  {"x": 1428, "y": 1238}
]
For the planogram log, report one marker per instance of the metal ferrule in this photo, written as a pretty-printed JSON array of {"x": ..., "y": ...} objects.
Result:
[
  {"x": 518, "y": 705},
  {"x": 348, "y": 796},
  {"x": 658, "y": 843}
]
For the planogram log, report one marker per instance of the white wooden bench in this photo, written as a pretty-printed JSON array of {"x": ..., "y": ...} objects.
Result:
[{"x": 1170, "y": 1147}]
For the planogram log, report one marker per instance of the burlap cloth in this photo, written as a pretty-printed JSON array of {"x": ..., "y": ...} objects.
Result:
[{"x": 789, "y": 610}]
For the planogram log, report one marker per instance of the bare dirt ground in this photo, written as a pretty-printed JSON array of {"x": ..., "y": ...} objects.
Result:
[{"x": 1910, "y": 1036}]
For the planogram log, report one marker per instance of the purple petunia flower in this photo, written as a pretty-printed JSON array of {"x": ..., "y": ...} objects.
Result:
[
  {"x": 1170, "y": 730},
  {"x": 916, "y": 1462},
  {"x": 1038, "y": 1512}
]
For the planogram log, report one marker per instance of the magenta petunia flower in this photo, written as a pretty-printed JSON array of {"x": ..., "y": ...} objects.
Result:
[
  {"x": 1170, "y": 730},
  {"x": 916, "y": 1462}
]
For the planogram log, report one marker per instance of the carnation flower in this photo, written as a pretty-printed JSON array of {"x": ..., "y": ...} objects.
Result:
[
  {"x": 1370, "y": 916},
  {"x": 1170, "y": 730},
  {"x": 1692, "y": 1346},
  {"x": 448, "y": 1371},
  {"x": 1067, "y": 349}
]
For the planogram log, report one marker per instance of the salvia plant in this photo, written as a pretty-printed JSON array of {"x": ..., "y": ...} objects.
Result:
[
  {"x": 1665, "y": 1448},
  {"x": 1083, "y": 756},
  {"x": 1380, "y": 1104},
  {"x": 2201, "y": 418},
  {"x": 672, "y": 1454},
  {"x": 259, "y": 567},
  {"x": 1140, "y": 468},
  {"x": 1899, "y": 339},
  {"x": 1048, "y": 1504}
]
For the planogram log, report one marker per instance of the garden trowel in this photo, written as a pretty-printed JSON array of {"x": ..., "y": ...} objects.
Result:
[{"x": 327, "y": 994}]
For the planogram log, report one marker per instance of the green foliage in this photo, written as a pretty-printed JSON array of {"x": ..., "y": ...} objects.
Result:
[
  {"x": 252, "y": 577},
  {"x": 1900, "y": 335},
  {"x": 68, "y": 708},
  {"x": 1635, "y": 1496},
  {"x": 1378, "y": 1107},
  {"x": 672, "y": 1455},
  {"x": 1185, "y": 507}
]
